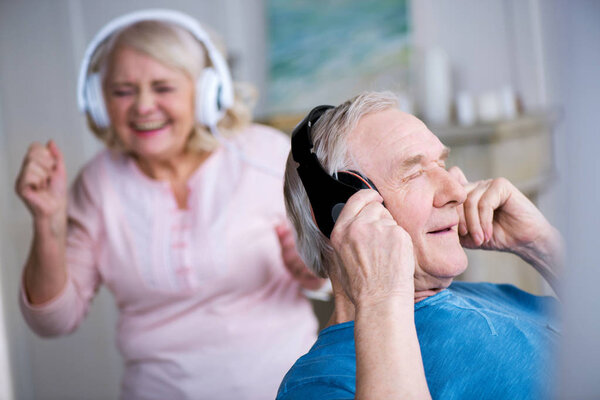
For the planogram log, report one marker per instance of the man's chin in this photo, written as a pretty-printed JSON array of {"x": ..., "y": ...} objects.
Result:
[{"x": 439, "y": 275}]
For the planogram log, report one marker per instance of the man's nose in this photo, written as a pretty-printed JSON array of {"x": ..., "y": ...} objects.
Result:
[{"x": 449, "y": 190}]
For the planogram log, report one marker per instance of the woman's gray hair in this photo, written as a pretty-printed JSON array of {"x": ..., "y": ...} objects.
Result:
[{"x": 330, "y": 137}]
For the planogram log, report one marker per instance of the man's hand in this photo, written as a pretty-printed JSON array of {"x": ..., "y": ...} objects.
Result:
[
  {"x": 497, "y": 216},
  {"x": 376, "y": 271},
  {"x": 376, "y": 255},
  {"x": 292, "y": 260}
]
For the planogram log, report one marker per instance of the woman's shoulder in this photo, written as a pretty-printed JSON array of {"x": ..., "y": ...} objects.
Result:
[
  {"x": 103, "y": 159},
  {"x": 105, "y": 162}
]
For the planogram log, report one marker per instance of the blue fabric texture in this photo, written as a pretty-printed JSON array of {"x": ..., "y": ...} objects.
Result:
[{"x": 478, "y": 341}]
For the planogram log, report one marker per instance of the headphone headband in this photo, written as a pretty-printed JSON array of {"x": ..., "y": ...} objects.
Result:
[
  {"x": 226, "y": 97},
  {"x": 327, "y": 195},
  {"x": 301, "y": 136}
]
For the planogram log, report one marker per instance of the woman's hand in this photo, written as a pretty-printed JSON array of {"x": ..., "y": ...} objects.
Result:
[
  {"x": 292, "y": 260},
  {"x": 42, "y": 184}
]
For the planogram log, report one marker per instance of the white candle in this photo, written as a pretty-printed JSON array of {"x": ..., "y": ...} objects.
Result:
[
  {"x": 437, "y": 90},
  {"x": 465, "y": 109}
]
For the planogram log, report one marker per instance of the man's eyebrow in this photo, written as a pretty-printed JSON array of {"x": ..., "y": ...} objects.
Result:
[
  {"x": 400, "y": 167},
  {"x": 411, "y": 161},
  {"x": 418, "y": 159},
  {"x": 445, "y": 153}
]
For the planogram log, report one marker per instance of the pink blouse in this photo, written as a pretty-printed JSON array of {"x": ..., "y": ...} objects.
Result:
[{"x": 207, "y": 309}]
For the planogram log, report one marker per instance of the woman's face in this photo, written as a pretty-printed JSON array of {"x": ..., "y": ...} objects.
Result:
[{"x": 151, "y": 106}]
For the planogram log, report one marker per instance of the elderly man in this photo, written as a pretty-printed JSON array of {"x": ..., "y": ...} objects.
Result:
[{"x": 401, "y": 328}]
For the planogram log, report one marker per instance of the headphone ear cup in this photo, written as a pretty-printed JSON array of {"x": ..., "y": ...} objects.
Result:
[
  {"x": 208, "y": 98},
  {"x": 356, "y": 180},
  {"x": 95, "y": 101}
]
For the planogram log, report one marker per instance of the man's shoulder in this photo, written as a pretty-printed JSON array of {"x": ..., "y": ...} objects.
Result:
[
  {"x": 497, "y": 334},
  {"x": 495, "y": 293},
  {"x": 328, "y": 370},
  {"x": 482, "y": 306}
]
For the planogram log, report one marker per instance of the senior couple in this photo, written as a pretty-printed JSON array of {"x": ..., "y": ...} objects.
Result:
[{"x": 225, "y": 317}]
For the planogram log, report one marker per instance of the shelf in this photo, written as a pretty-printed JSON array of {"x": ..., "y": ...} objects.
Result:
[{"x": 525, "y": 125}]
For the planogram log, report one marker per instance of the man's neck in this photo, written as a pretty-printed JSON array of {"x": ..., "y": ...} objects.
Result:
[
  {"x": 423, "y": 294},
  {"x": 344, "y": 309}
]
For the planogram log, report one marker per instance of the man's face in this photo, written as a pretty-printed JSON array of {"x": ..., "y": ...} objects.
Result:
[{"x": 406, "y": 163}]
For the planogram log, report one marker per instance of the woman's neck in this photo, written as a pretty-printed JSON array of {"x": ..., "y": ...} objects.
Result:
[{"x": 176, "y": 169}]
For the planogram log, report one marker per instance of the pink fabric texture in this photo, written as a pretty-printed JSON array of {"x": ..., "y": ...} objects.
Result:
[{"x": 207, "y": 309}]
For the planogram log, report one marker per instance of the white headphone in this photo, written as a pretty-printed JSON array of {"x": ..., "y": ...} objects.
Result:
[{"x": 214, "y": 88}]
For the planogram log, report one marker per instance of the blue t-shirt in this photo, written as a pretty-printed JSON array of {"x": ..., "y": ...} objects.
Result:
[{"x": 478, "y": 341}]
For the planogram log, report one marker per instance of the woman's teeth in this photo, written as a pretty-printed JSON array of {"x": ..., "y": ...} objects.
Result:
[{"x": 149, "y": 126}]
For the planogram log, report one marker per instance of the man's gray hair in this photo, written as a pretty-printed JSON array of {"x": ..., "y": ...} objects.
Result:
[{"x": 329, "y": 136}]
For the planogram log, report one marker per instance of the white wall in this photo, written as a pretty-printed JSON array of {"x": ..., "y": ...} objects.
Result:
[
  {"x": 6, "y": 382},
  {"x": 36, "y": 64},
  {"x": 490, "y": 44}
]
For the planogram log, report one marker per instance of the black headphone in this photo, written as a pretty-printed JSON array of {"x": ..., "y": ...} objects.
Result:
[{"x": 327, "y": 195}]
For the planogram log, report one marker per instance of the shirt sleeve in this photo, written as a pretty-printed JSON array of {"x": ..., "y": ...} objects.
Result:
[
  {"x": 322, "y": 389},
  {"x": 62, "y": 314}
]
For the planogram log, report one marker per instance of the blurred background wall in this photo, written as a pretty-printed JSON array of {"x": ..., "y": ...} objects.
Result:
[{"x": 545, "y": 51}]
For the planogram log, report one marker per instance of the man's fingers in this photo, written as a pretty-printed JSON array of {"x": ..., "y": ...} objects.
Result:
[
  {"x": 457, "y": 174},
  {"x": 494, "y": 197},
  {"x": 486, "y": 215},
  {"x": 482, "y": 202},
  {"x": 472, "y": 213},
  {"x": 462, "y": 223},
  {"x": 468, "y": 242},
  {"x": 356, "y": 203}
]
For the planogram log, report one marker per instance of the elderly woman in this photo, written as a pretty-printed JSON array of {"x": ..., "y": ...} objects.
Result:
[{"x": 185, "y": 228}]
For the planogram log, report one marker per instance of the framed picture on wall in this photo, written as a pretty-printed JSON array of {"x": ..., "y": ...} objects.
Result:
[{"x": 328, "y": 51}]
